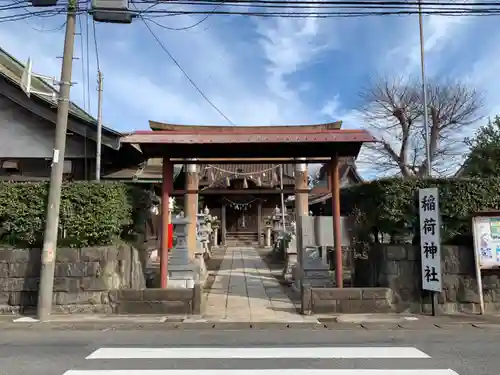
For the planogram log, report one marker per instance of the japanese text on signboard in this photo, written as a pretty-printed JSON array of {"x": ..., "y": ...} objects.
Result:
[{"x": 430, "y": 244}]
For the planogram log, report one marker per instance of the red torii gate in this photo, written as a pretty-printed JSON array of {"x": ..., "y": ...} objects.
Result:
[{"x": 189, "y": 144}]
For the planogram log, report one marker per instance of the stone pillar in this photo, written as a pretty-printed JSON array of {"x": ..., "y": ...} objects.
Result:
[
  {"x": 223, "y": 224},
  {"x": 201, "y": 245},
  {"x": 335, "y": 188},
  {"x": 181, "y": 273},
  {"x": 259, "y": 222},
  {"x": 202, "y": 233},
  {"x": 215, "y": 234},
  {"x": 268, "y": 235},
  {"x": 167, "y": 188},
  {"x": 191, "y": 205},
  {"x": 210, "y": 230},
  {"x": 291, "y": 259},
  {"x": 301, "y": 191}
]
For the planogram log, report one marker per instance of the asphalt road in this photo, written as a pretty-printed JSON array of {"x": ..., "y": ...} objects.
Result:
[{"x": 46, "y": 352}]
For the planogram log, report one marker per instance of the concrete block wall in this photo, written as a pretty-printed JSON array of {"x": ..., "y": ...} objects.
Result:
[{"x": 181, "y": 301}]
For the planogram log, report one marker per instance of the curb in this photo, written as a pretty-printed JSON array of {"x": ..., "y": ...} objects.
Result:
[
  {"x": 180, "y": 326},
  {"x": 246, "y": 326}
]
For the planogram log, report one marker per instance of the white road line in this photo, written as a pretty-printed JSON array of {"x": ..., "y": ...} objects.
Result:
[
  {"x": 266, "y": 372},
  {"x": 257, "y": 353}
]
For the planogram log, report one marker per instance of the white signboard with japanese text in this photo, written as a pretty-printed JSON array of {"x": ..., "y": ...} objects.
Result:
[
  {"x": 430, "y": 239},
  {"x": 486, "y": 232}
]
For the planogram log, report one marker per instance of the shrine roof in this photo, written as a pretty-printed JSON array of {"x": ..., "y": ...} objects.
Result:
[
  {"x": 306, "y": 141},
  {"x": 159, "y": 126}
]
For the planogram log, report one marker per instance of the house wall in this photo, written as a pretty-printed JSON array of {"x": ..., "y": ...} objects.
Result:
[
  {"x": 25, "y": 135},
  {"x": 40, "y": 169},
  {"x": 43, "y": 110}
]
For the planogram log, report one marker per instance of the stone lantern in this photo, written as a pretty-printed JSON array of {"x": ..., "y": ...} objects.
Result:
[{"x": 180, "y": 271}]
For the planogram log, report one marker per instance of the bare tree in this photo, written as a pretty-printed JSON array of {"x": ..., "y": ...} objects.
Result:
[{"x": 393, "y": 111}]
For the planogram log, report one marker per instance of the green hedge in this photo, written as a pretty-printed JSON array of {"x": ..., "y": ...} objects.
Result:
[
  {"x": 390, "y": 205},
  {"x": 91, "y": 213}
]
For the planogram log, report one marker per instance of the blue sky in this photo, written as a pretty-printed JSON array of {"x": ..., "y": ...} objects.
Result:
[{"x": 259, "y": 71}]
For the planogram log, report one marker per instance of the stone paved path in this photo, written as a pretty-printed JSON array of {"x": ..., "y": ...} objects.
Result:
[{"x": 244, "y": 290}]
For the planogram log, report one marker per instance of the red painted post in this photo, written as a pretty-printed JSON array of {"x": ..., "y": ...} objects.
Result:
[
  {"x": 166, "y": 189},
  {"x": 335, "y": 188}
]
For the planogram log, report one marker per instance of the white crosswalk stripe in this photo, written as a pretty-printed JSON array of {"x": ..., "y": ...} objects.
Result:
[
  {"x": 263, "y": 372},
  {"x": 260, "y": 353}
]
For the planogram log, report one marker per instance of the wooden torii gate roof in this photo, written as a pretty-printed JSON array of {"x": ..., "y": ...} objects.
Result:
[{"x": 225, "y": 144}]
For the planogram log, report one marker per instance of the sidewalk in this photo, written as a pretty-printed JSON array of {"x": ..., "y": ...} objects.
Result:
[
  {"x": 244, "y": 290},
  {"x": 443, "y": 324}
]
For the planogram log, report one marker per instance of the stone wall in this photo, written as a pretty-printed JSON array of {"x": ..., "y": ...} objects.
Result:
[
  {"x": 84, "y": 278},
  {"x": 351, "y": 300},
  {"x": 91, "y": 280},
  {"x": 398, "y": 267}
]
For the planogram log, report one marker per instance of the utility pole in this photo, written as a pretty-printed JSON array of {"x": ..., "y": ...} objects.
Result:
[
  {"x": 99, "y": 127},
  {"x": 52, "y": 220},
  {"x": 428, "y": 164},
  {"x": 424, "y": 91}
]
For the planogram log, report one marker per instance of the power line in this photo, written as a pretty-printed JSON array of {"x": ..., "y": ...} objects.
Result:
[
  {"x": 54, "y": 30},
  {"x": 82, "y": 60},
  {"x": 87, "y": 40},
  {"x": 96, "y": 47},
  {"x": 361, "y": 7},
  {"x": 343, "y": 9},
  {"x": 299, "y": 3},
  {"x": 492, "y": 12},
  {"x": 174, "y": 60},
  {"x": 46, "y": 13},
  {"x": 320, "y": 3},
  {"x": 190, "y": 26}
]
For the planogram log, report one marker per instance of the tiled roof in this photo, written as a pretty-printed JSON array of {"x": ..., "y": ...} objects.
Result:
[
  {"x": 345, "y": 166},
  {"x": 237, "y": 129},
  {"x": 345, "y": 163}
]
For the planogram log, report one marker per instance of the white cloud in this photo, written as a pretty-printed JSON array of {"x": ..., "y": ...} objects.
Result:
[
  {"x": 332, "y": 107},
  {"x": 439, "y": 32},
  {"x": 289, "y": 46}
]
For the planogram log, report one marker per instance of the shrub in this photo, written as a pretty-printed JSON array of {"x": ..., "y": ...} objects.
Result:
[
  {"x": 91, "y": 214},
  {"x": 390, "y": 205}
]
